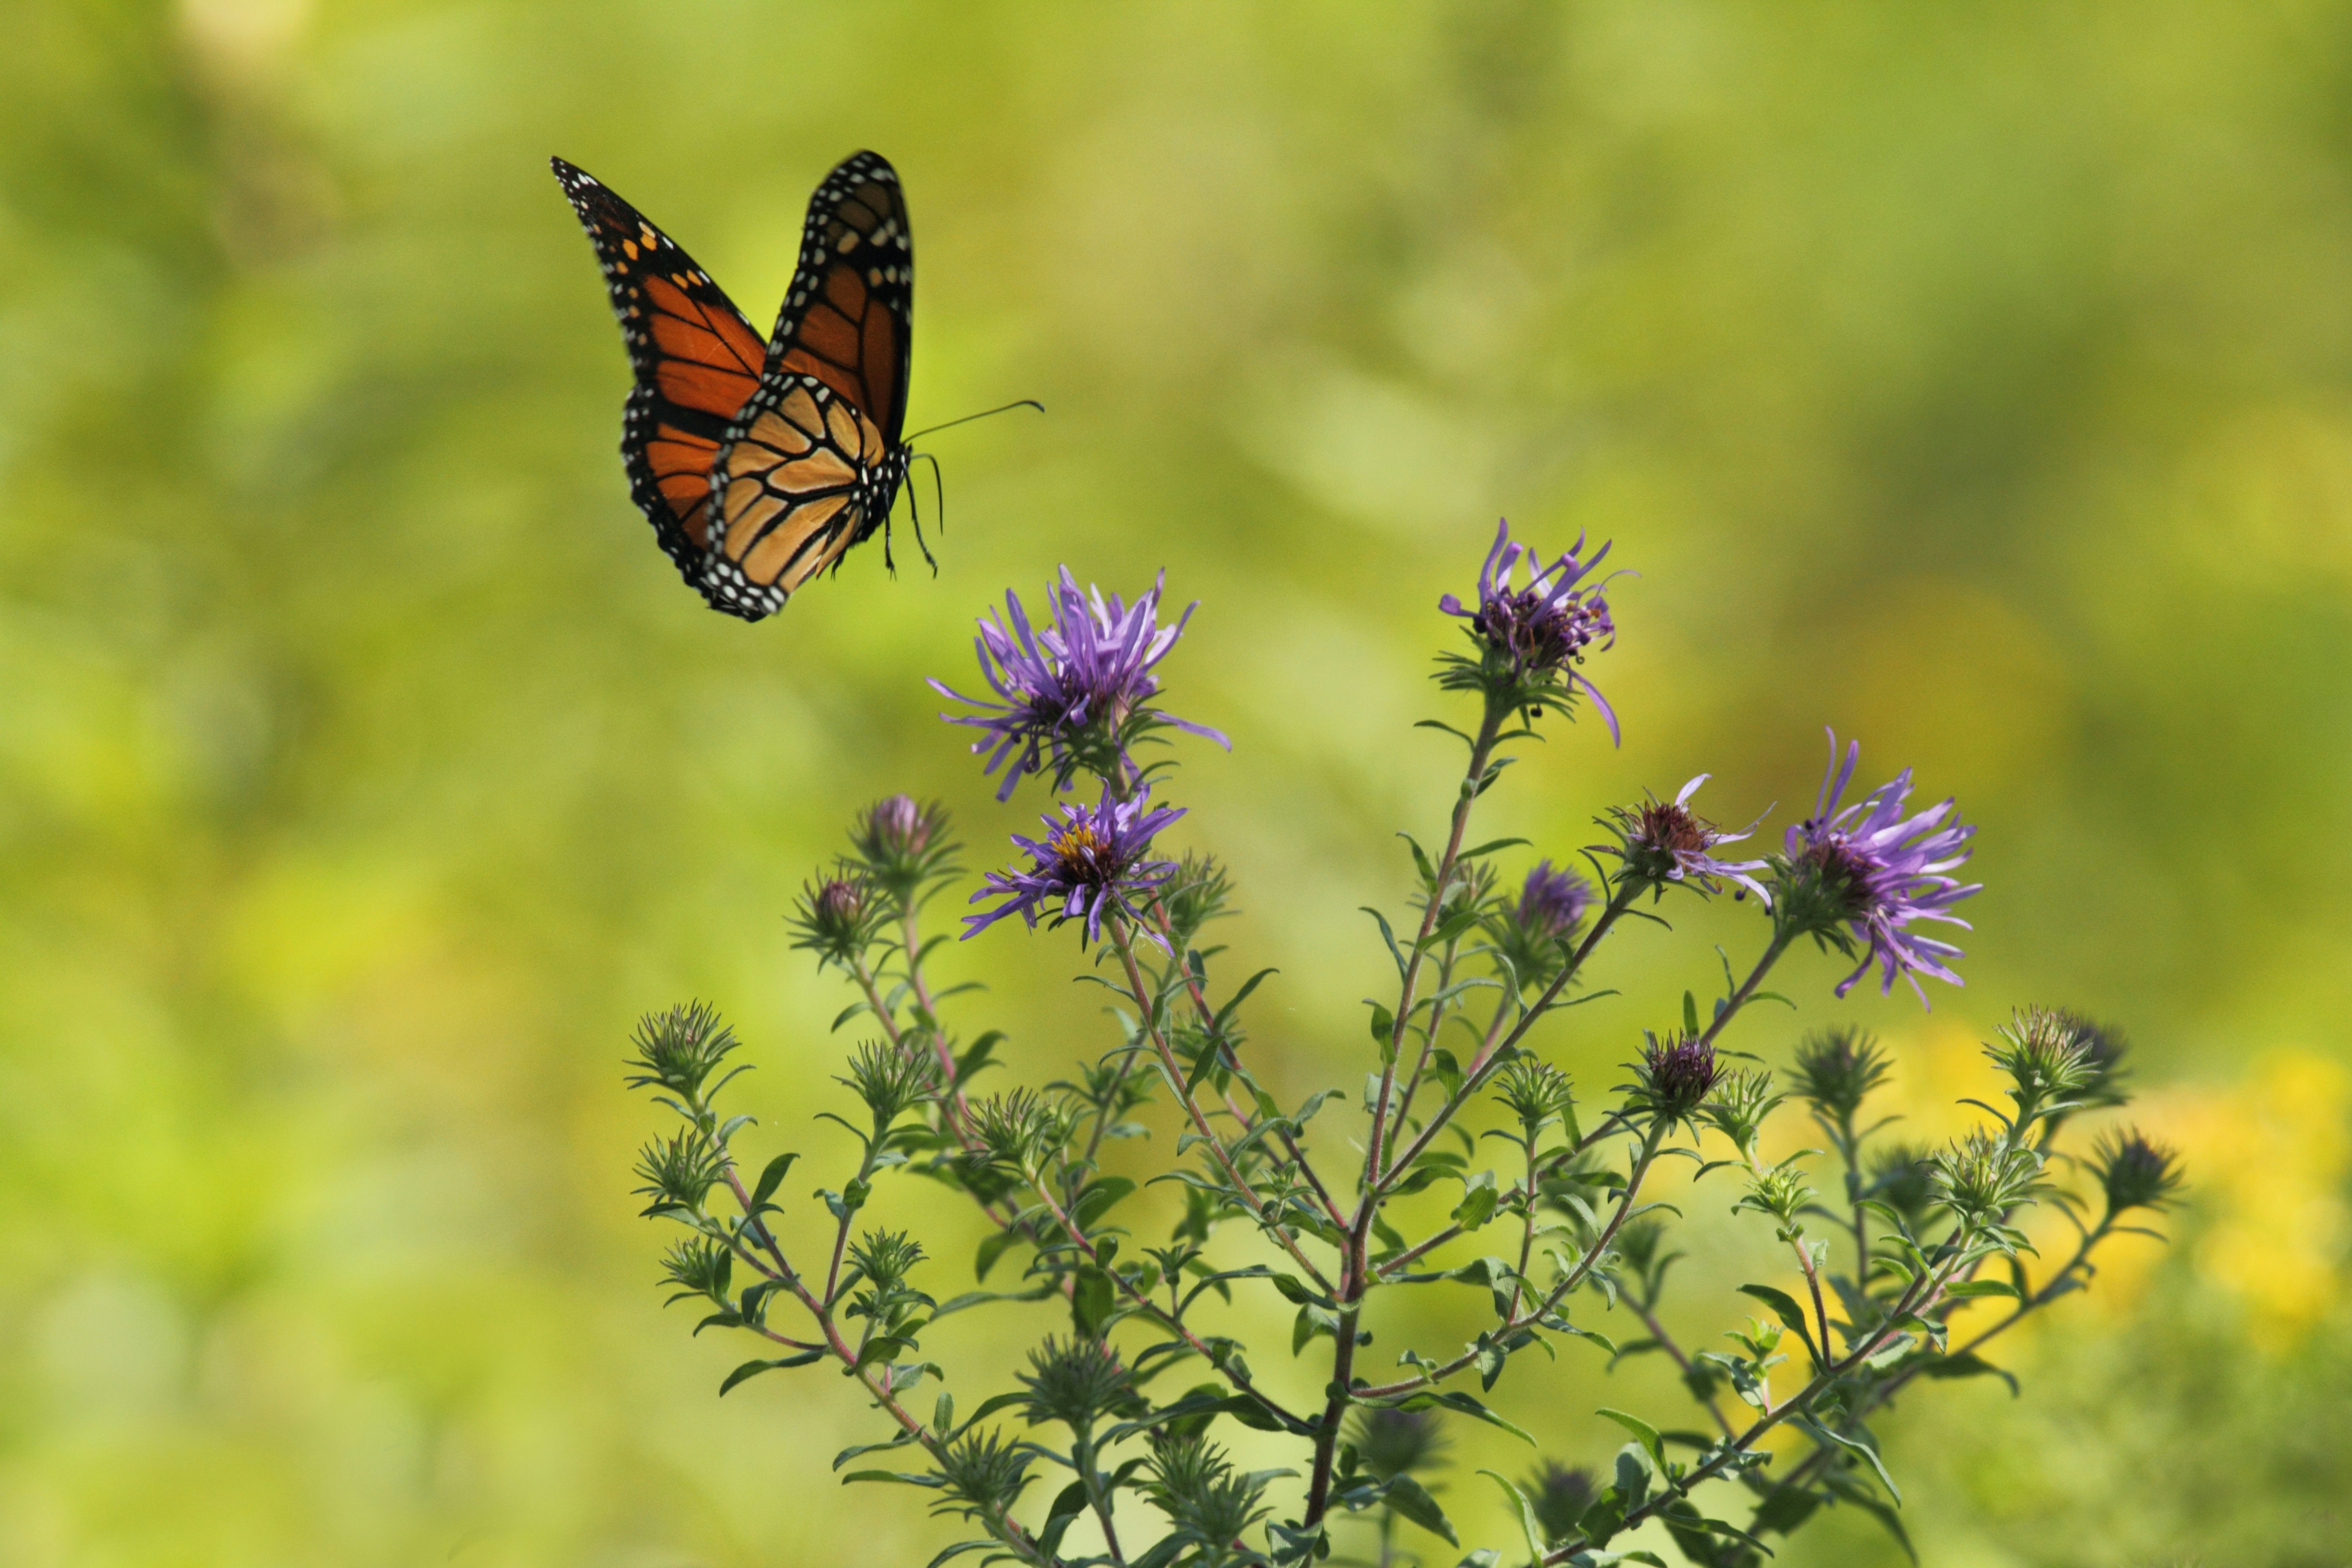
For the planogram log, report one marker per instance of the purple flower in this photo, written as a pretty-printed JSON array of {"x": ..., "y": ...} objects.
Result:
[
  {"x": 1666, "y": 841},
  {"x": 1877, "y": 870},
  {"x": 1553, "y": 903},
  {"x": 1090, "y": 863},
  {"x": 1533, "y": 636},
  {"x": 1071, "y": 693}
]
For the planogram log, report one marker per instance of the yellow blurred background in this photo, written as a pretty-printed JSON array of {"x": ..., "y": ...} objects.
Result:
[{"x": 1975, "y": 379}]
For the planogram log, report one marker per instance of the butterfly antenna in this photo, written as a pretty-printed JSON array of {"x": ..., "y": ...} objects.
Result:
[{"x": 1024, "y": 403}]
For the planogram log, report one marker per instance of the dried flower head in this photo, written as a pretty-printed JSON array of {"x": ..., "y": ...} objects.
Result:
[
  {"x": 1864, "y": 874},
  {"x": 1664, "y": 842},
  {"x": 1530, "y": 638},
  {"x": 1071, "y": 696},
  {"x": 1091, "y": 863}
]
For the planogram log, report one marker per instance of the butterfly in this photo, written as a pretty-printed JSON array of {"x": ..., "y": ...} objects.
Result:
[{"x": 760, "y": 463}]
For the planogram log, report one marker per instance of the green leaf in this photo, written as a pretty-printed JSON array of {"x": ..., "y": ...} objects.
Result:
[
  {"x": 1383, "y": 1029},
  {"x": 1091, "y": 1299},
  {"x": 771, "y": 1178},
  {"x": 1530, "y": 1527},
  {"x": 972, "y": 1060},
  {"x": 1690, "y": 1014},
  {"x": 1478, "y": 1200},
  {"x": 1967, "y": 1289},
  {"x": 1411, "y": 1501},
  {"x": 991, "y": 1248},
  {"x": 1097, "y": 1199},
  {"x": 1969, "y": 1364},
  {"x": 1784, "y": 1307},
  {"x": 1827, "y": 1437},
  {"x": 1468, "y": 1405},
  {"x": 751, "y": 1369},
  {"x": 1647, "y": 1434}
]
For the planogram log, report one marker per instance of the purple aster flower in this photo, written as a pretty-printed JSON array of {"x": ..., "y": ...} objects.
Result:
[
  {"x": 1876, "y": 870},
  {"x": 1553, "y": 903},
  {"x": 1666, "y": 841},
  {"x": 1532, "y": 637},
  {"x": 1090, "y": 863},
  {"x": 1071, "y": 693}
]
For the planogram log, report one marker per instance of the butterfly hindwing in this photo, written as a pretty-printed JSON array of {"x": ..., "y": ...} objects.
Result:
[
  {"x": 797, "y": 483},
  {"x": 697, "y": 362}
]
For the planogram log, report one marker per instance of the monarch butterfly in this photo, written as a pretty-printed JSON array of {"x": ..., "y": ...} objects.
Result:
[{"x": 760, "y": 464}]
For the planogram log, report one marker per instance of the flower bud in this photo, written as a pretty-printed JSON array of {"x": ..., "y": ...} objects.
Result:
[
  {"x": 1676, "y": 1075},
  {"x": 1836, "y": 1069},
  {"x": 2135, "y": 1172},
  {"x": 1391, "y": 1442}
]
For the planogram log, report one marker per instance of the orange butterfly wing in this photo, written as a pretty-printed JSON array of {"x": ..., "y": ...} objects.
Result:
[
  {"x": 812, "y": 464},
  {"x": 697, "y": 363}
]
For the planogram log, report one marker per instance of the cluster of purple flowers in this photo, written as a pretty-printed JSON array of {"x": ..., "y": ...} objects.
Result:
[{"x": 1073, "y": 696}]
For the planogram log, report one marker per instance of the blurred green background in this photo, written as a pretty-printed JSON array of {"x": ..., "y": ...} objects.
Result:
[{"x": 1977, "y": 379}]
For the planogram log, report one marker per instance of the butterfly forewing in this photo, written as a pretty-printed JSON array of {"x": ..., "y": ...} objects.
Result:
[
  {"x": 696, "y": 361},
  {"x": 848, "y": 316}
]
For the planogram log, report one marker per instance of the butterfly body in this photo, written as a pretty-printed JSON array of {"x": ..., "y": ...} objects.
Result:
[{"x": 759, "y": 463}]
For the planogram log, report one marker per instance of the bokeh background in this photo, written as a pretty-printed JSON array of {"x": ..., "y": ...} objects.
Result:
[{"x": 1975, "y": 379}]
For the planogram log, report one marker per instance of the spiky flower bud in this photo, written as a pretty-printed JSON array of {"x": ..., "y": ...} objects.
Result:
[
  {"x": 1902, "y": 1177},
  {"x": 699, "y": 1267},
  {"x": 2135, "y": 1172},
  {"x": 1200, "y": 891},
  {"x": 2104, "y": 1047},
  {"x": 1739, "y": 1106},
  {"x": 890, "y": 1080},
  {"x": 1534, "y": 1091},
  {"x": 1016, "y": 1131},
  {"x": 1534, "y": 933},
  {"x": 985, "y": 1473},
  {"x": 1077, "y": 1382},
  {"x": 1390, "y": 1442},
  {"x": 885, "y": 1256},
  {"x": 838, "y": 917},
  {"x": 679, "y": 1173},
  {"x": 679, "y": 1049},
  {"x": 1837, "y": 1068},
  {"x": 1982, "y": 1178},
  {"x": 2045, "y": 1060},
  {"x": 1560, "y": 1494},
  {"x": 1675, "y": 1076},
  {"x": 1194, "y": 1484},
  {"x": 899, "y": 844}
]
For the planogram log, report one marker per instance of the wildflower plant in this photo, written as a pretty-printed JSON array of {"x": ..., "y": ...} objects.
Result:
[{"x": 1134, "y": 1206}]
